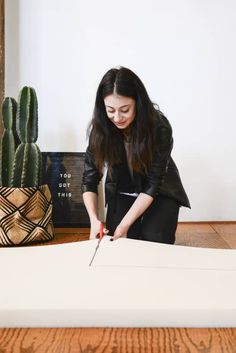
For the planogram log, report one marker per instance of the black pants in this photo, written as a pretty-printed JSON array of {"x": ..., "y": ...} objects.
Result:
[{"x": 158, "y": 223}]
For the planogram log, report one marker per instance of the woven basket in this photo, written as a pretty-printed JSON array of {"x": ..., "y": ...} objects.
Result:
[{"x": 25, "y": 215}]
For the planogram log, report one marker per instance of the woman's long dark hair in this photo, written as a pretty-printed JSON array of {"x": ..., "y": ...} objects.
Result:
[{"x": 106, "y": 140}]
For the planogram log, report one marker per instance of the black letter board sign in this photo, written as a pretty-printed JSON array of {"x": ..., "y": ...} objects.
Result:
[{"x": 62, "y": 171}]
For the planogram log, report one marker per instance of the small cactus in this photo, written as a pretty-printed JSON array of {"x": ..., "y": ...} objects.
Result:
[
  {"x": 9, "y": 107},
  {"x": 28, "y": 161}
]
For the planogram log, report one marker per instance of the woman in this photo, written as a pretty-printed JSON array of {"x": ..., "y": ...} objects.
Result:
[{"x": 143, "y": 189}]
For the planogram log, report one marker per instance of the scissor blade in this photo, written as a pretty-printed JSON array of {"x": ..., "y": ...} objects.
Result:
[{"x": 95, "y": 251}]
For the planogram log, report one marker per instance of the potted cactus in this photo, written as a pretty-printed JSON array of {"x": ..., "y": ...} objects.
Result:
[{"x": 25, "y": 204}]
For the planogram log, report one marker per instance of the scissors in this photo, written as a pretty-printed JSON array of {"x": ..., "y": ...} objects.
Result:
[{"x": 101, "y": 234}]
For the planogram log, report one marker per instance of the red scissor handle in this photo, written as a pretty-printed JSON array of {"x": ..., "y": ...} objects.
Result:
[{"x": 101, "y": 234}]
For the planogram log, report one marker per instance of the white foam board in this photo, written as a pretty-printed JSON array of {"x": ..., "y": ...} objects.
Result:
[
  {"x": 138, "y": 253},
  {"x": 130, "y": 284}
]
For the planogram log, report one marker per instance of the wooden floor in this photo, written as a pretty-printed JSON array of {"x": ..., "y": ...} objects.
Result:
[
  {"x": 118, "y": 340},
  {"x": 131, "y": 340},
  {"x": 204, "y": 235}
]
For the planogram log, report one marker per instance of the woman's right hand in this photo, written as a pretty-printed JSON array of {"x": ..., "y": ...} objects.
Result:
[{"x": 95, "y": 229}]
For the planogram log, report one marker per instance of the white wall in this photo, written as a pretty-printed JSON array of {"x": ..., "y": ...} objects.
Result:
[{"x": 184, "y": 52}]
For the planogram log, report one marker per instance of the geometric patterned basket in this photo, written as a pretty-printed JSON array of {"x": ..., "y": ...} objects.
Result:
[{"x": 25, "y": 215}]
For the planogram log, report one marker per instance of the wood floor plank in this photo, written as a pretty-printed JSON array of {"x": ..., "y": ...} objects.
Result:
[
  {"x": 195, "y": 228},
  {"x": 118, "y": 340},
  {"x": 227, "y": 231},
  {"x": 66, "y": 235},
  {"x": 202, "y": 240},
  {"x": 230, "y": 239},
  {"x": 224, "y": 228},
  {"x": 67, "y": 238}
]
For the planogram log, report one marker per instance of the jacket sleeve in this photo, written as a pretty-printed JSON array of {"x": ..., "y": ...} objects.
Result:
[
  {"x": 156, "y": 175},
  {"x": 91, "y": 176}
]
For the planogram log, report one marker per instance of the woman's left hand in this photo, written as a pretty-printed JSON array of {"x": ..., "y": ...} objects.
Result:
[{"x": 120, "y": 232}]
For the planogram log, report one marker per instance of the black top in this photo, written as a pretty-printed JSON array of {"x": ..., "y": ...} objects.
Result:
[
  {"x": 162, "y": 178},
  {"x": 125, "y": 182}
]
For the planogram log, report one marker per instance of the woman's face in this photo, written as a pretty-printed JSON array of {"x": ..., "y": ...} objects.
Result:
[{"x": 120, "y": 110}]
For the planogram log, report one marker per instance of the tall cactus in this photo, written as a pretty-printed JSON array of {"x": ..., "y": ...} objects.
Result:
[
  {"x": 28, "y": 161},
  {"x": 9, "y": 107}
]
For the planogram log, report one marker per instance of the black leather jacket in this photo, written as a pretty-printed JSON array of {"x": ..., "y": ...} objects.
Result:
[{"x": 163, "y": 177}]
